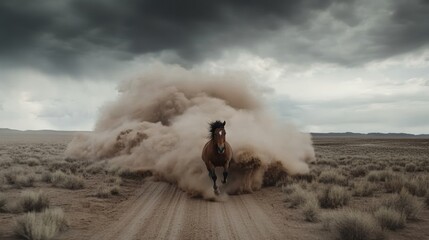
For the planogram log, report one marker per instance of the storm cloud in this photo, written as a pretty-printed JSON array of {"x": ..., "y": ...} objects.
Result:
[
  {"x": 328, "y": 65},
  {"x": 65, "y": 36}
]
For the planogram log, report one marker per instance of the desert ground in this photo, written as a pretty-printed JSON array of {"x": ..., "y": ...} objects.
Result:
[{"x": 358, "y": 188}]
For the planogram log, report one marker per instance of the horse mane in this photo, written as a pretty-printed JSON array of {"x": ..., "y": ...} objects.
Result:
[{"x": 213, "y": 126}]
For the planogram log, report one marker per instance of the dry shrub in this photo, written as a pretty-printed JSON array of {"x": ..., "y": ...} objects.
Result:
[
  {"x": 288, "y": 189},
  {"x": 394, "y": 182},
  {"x": 32, "y": 201},
  {"x": 379, "y": 176},
  {"x": 97, "y": 167},
  {"x": 427, "y": 198},
  {"x": 390, "y": 218},
  {"x": 2, "y": 202},
  {"x": 299, "y": 197},
  {"x": 358, "y": 171},
  {"x": 116, "y": 181},
  {"x": 363, "y": 189},
  {"x": 333, "y": 197},
  {"x": 353, "y": 225},
  {"x": 373, "y": 166},
  {"x": 60, "y": 179},
  {"x": 113, "y": 169},
  {"x": 12, "y": 173},
  {"x": 331, "y": 163},
  {"x": 60, "y": 165},
  {"x": 410, "y": 167},
  {"x": 25, "y": 180},
  {"x": 405, "y": 203},
  {"x": 136, "y": 174},
  {"x": 31, "y": 162},
  {"x": 40, "y": 226},
  {"x": 418, "y": 185},
  {"x": 115, "y": 190},
  {"x": 311, "y": 210},
  {"x": 103, "y": 192},
  {"x": 2, "y": 180},
  {"x": 47, "y": 176},
  {"x": 396, "y": 168},
  {"x": 5, "y": 162},
  {"x": 333, "y": 177}
]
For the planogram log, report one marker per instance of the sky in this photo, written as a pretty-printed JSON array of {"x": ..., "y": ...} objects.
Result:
[{"x": 332, "y": 65}]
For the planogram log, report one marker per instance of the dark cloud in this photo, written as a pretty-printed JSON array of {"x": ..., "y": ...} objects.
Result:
[
  {"x": 66, "y": 36},
  {"x": 406, "y": 29}
]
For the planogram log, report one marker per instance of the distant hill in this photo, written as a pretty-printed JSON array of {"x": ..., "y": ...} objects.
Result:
[
  {"x": 14, "y": 131},
  {"x": 370, "y": 135},
  {"x": 36, "y": 136}
]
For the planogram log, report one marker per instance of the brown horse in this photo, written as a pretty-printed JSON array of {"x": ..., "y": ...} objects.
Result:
[{"x": 217, "y": 152}]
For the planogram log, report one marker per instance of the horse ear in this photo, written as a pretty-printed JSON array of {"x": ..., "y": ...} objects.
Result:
[{"x": 224, "y": 123}]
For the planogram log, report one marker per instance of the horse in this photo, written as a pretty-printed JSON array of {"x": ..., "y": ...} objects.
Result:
[{"x": 217, "y": 152}]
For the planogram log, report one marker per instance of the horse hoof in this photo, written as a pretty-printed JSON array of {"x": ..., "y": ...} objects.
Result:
[
  {"x": 223, "y": 182},
  {"x": 216, "y": 191}
]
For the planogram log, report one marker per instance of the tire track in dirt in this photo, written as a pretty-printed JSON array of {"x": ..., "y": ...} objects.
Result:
[{"x": 162, "y": 211}]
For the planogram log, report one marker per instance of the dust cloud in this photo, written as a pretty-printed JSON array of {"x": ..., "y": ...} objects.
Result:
[{"x": 159, "y": 122}]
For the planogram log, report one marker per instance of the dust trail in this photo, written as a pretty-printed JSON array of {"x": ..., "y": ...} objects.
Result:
[{"x": 160, "y": 122}]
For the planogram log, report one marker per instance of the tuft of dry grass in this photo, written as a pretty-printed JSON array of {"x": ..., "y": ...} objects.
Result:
[
  {"x": 410, "y": 167},
  {"x": 354, "y": 225},
  {"x": 2, "y": 202},
  {"x": 427, "y": 199},
  {"x": 32, "y": 201},
  {"x": 405, "y": 203},
  {"x": 333, "y": 177},
  {"x": 359, "y": 171},
  {"x": 103, "y": 192},
  {"x": 40, "y": 226},
  {"x": 136, "y": 174},
  {"x": 390, "y": 218},
  {"x": 115, "y": 190},
  {"x": 397, "y": 168},
  {"x": 115, "y": 180},
  {"x": 12, "y": 173},
  {"x": 97, "y": 167},
  {"x": 394, "y": 182},
  {"x": 2, "y": 180},
  {"x": 379, "y": 176},
  {"x": 5, "y": 162},
  {"x": 418, "y": 185},
  {"x": 363, "y": 189},
  {"x": 311, "y": 210},
  {"x": 46, "y": 176},
  {"x": 25, "y": 180},
  {"x": 299, "y": 196},
  {"x": 333, "y": 197},
  {"x": 60, "y": 179},
  {"x": 30, "y": 161},
  {"x": 329, "y": 162},
  {"x": 290, "y": 188}
]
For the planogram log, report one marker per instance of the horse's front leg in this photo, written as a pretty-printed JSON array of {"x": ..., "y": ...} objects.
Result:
[
  {"x": 225, "y": 173},
  {"x": 212, "y": 174}
]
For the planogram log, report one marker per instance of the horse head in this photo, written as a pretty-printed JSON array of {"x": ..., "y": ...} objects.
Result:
[{"x": 218, "y": 135}]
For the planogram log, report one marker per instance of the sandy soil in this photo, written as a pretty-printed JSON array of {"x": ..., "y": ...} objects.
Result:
[{"x": 161, "y": 211}]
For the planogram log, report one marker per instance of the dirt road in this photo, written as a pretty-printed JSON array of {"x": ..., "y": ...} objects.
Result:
[{"x": 161, "y": 211}]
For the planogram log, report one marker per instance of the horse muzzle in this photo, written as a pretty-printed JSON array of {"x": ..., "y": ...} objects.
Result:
[{"x": 221, "y": 150}]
